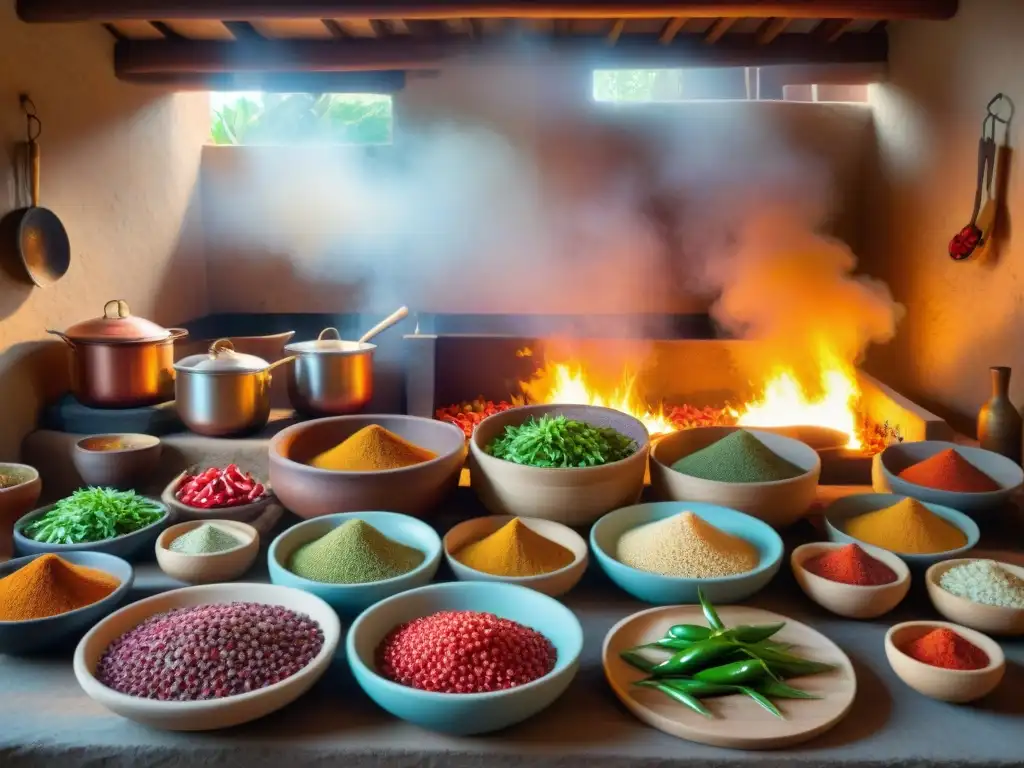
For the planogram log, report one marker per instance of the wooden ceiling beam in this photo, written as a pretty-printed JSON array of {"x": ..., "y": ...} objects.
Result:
[
  {"x": 137, "y": 57},
  {"x": 616, "y": 31},
  {"x": 770, "y": 29},
  {"x": 671, "y": 29},
  {"x": 40, "y": 11},
  {"x": 718, "y": 29},
  {"x": 831, "y": 30},
  {"x": 242, "y": 30},
  {"x": 335, "y": 29},
  {"x": 287, "y": 82}
]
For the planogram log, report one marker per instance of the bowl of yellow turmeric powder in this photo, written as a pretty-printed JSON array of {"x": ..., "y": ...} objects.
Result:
[{"x": 391, "y": 462}]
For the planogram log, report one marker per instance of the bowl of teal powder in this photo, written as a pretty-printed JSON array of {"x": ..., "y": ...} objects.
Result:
[
  {"x": 352, "y": 560},
  {"x": 767, "y": 475},
  {"x": 207, "y": 551}
]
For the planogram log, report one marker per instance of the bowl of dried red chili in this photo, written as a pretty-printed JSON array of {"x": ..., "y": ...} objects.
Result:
[
  {"x": 945, "y": 661},
  {"x": 507, "y": 653},
  {"x": 217, "y": 493},
  {"x": 853, "y": 580}
]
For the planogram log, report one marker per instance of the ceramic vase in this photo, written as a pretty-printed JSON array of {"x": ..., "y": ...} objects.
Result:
[{"x": 1000, "y": 426}]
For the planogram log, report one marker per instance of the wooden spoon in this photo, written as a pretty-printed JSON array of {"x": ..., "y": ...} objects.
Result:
[{"x": 384, "y": 324}]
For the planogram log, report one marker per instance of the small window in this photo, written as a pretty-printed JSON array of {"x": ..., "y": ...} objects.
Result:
[{"x": 300, "y": 118}]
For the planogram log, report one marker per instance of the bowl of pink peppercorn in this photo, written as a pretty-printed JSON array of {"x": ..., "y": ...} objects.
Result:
[{"x": 222, "y": 493}]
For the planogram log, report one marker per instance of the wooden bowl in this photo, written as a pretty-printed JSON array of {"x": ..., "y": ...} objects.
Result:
[
  {"x": 212, "y": 567},
  {"x": 553, "y": 584},
  {"x": 244, "y": 513},
  {"x": 417, "y": 490},
  {"x": 851, "y": 600},
  {"x": 992, "y": 619},
  {"x": 122, "y": 467},
  {"x": 16, "y": 500},
  {"x": 779, "y": 503},
  {"x": 575, "y": 496},
  {"x": 954, "y": 685}
]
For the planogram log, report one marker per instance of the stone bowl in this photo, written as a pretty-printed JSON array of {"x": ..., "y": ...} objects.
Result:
[
  {"x": 211, "y": 567},
  {"x": 243, "y": 513},
  {"x": 122, "y": 467},
  {"x": 851, "y": 600},
  {"x": 16, "y": 500},
  {"x": 991, "y": 619}
]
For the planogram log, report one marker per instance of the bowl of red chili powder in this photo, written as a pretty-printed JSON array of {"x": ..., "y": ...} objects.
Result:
[
  {"x": 466, "y": 657},
  {"x": 965, "y": 478},
  {"x": 853, "y": 580},
  {"x": 945, "y": 661}
]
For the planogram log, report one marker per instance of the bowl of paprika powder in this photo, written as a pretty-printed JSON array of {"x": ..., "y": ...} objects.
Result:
[{"x": 853, "y": 580}]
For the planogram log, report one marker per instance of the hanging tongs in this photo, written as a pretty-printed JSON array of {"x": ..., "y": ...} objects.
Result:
[{"x": 974, "y": 235}]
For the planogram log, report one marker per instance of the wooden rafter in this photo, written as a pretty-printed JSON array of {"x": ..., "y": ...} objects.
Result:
[
  {"x": 115, "y": 33},
  {"x": 671, "y": 29},
  {"x": 770, "y": 29},
  {"x": 380, "y": 28},
  {"x": 242, "y": 30},
  {"x": 165, "y": 29},
  {"x": 616, "y": 31},
  {"x": 114, "y": 10},
  {"x": 287, "y": 82},
  {"x": 717, "y": 30},
  {"x": 831, "y": 30},
  {"x": 476, "y": 29},
  {"x": 335, "y": 29}
]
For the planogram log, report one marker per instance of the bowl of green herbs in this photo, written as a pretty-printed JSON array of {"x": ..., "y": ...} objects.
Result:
[
  {"x": 121, "y": 523},
  {"x": 567, "y": 463}
]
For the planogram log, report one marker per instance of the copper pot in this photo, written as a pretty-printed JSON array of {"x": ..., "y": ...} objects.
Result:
[{"x": 121, "y": 361}]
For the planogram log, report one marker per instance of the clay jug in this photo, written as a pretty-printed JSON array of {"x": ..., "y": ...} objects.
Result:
[{"x": 1000, "y": 426}]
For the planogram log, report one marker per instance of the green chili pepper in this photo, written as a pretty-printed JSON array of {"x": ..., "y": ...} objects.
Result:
[
  {"x": 682, "y": 697},
  {"x": 786, "y": 664},
  {"x": 709, "y": 612},
  {"x": 669, "y": 643},
  {"x": 779, "y": 690},
  {"x": 761, "y": 699},
  {"x": 699, "y": 688},
  {"x": 698, "y": 656},
  {"x": 751, "y": 634},
  {"x": 691, "y": 632},
  {"x": 634, "y": 659},
  {"x": 735, "y": 673}
]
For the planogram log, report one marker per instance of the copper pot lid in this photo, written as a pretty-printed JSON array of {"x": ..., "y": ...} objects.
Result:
[
  {"x": 117, "y": 324},
  {"x": 222, "y": 358},
  {"x": 329, "y": 342}
]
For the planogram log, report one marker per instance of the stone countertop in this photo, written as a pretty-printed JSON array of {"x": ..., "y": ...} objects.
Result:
[{"x": 46, "y": 720}]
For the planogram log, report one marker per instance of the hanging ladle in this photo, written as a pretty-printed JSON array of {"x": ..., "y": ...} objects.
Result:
[{"x": 384, "y": 324}]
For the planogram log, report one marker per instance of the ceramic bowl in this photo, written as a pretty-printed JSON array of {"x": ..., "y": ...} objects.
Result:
[
  {"x": 416, "y": 490},
  {"x": 214, "y": 713},
  {"x": 473, "y": 713},
  {"x": 243, "y": 513},
  {"x": 886, "y": 466},
  {"x": 954, "y": 685},
  {"x": 350, "y": 599},
  {"x": 840, "y": 511},
  {"x": 129, "y": 546},
  {"x": 554, "y": 584},
  {"x": 16, "y": 500},
  {"x": 992, "y": 619},
  {"x": 214, "y": 566},
  {"x": 779, "y": 503},
  {"x": 575, "y": 496},
  {"x": 42, "y": 634},
  {"x": 668, "y": 590},
  {"x": 851, "y": 600},
  {"x": 123, "y": 467}
]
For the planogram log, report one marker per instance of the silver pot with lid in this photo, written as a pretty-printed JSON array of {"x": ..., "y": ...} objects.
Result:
[{"x": 223, "y": 392}]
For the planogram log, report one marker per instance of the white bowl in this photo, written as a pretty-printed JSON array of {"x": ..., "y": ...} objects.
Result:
[
  {"x": 215, "y": 713},
  {"x": 993, "y": 619},
  {"x": 554, "y": 583},
  {"x": 851, "y": 600},
  {"x": 211, "y": 566}
]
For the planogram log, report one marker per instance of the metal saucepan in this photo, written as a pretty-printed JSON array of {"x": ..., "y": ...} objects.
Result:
[
  {"x": 224, "y": 393},
  {"x": 332, "y": 376},
  {"x": 121, "y": 361}
]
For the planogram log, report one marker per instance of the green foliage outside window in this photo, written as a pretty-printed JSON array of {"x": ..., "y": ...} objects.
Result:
[{"x": 637, "y": 85}]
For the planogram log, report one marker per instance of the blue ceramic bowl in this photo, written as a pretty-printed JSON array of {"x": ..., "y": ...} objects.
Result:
[
  {"x": 672, "y": 590},
  {"x": 129, "y": 546},
  {"x": 841, "y": 510},
  {"x": 471, "y": 713},
  {"x": 41, "y": 634},
  {"x": 350, "y": 599}
]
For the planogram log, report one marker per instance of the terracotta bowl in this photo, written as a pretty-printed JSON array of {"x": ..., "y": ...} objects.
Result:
[
  {"x": 850, "y": 600},
  {"x": 244, "y": 513},
  {"x": 992, "y": 619},
  {"x": 954, "y": 685},
  {"x": 553, "y": 584},
  {"x": 214, "y": 566},
  {"x": 16, "y": 500},
  {"x": 121, "y": 468},
  {"x": 779, "y": 503},
  {"x": 576, "y": 496},
  {"x": 310, "y": 492}
]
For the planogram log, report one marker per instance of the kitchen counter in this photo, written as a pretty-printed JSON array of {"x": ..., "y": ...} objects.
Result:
[{"x": 46, "y": 720}]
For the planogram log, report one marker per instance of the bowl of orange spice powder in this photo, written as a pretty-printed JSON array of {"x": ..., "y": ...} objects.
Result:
[
  {"x": 945, "y": 661},
  {"x": 853, "y": 580},
  {"x": 48, "y": 599}
]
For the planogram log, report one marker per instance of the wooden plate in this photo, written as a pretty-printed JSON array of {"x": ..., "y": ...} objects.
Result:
[{"x": 738, "y": 722}]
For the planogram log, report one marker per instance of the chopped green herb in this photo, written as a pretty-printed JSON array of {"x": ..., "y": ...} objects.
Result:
[
  {"x": 93, "y": 514},
  {"x": 558, "y": 442}
]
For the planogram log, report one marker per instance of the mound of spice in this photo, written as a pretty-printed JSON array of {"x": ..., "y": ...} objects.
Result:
[
  {"x": 50, "y": 586},
  {"x": 205, "y": 540},
  {"x": 985, "y": 582},
  {"x": 210, "y": 651},
  {"x": 739, "y": 457},
  {"x": 850, "y": 564},
  {"x": 464, "y": 652},
  {"x": 353, "y": 553},
  {"x": 907, "y": 527},
  {"x": 515, "y": 550},
  {"x": 949, "y": 471},
  {"x": 372, "y": 449},
  {"x": 945, "y": 648},
  {"x": 214, "y": 488},
  {"x": 687, "y": 546}
]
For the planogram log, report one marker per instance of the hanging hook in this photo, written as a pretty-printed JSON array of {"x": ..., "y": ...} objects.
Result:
[
  {"x": 993, "y": 111},
  {"x": 34, "y": 126}
]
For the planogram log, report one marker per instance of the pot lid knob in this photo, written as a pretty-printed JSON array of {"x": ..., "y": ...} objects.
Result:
[
  {"x": 116, "y": 309},
  {"x": 221, "y": 356}
]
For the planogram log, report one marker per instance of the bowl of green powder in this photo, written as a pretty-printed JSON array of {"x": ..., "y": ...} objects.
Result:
[
  {"x": 769, "y": 476},
  {"x": 355, "y": 559},
  {"x": 986, "y": 595},
  {"x": 207, "y": 551}
]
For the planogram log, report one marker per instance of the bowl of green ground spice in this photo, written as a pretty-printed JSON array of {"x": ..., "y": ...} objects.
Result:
[
  {"x": 352, "y": 560},
  {"x": 769, "y": 476},
  {"x": 986, "y": 595},
  {"x": 207, "y": 551}
]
